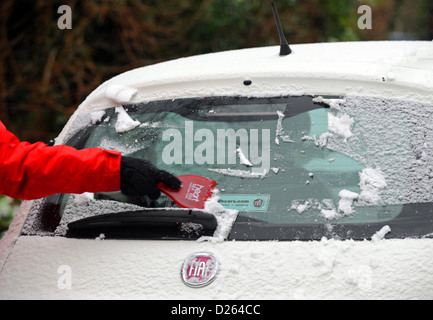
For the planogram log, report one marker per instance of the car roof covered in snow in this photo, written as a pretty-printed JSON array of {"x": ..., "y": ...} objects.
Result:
[{"x": 334, "y": 68}]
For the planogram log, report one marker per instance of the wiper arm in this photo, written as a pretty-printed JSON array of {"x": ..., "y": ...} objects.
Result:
[{"x": 146, "y": 224}]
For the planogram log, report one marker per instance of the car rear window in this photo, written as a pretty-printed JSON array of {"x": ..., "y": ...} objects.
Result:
[{"x": 293, "y": 168}]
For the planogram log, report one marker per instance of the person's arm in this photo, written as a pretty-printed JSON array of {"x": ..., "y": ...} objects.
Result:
[{"x": 33, "y": 171}]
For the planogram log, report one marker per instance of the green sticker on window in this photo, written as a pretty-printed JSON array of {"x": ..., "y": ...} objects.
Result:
[{"x": 246, "y": 202}]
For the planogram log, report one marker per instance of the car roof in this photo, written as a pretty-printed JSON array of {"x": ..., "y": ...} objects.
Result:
[{"x": 399, "y": 69}]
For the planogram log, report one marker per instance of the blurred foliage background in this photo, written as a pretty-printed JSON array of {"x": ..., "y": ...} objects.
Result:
[
  {"x": 8, "y": 208},
  {"x": 46, "y": 72}
]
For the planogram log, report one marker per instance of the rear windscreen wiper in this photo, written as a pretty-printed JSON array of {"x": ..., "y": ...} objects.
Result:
[{"x": 146, "y": 224}]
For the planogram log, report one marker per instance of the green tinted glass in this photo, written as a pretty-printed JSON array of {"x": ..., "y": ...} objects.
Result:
[{"x": 277, "y": 160}]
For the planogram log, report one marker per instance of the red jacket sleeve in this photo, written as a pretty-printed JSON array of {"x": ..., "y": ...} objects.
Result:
[{"x": 33, "y": 171}]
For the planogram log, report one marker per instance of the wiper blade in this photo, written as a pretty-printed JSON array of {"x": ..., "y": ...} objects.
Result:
[{"x": 146, "y": 224}]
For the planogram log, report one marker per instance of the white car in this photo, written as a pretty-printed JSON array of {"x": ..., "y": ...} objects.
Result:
[{"x": 324, "y": 165}]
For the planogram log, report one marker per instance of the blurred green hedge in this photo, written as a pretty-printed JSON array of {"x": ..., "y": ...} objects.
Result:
[{"x": 8, "y": 209}]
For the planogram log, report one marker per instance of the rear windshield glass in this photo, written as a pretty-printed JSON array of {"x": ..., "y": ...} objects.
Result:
[{"x": 292, "y": 167}]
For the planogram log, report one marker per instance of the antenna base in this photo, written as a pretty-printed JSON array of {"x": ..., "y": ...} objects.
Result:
[{"x": 285, "y": 50}]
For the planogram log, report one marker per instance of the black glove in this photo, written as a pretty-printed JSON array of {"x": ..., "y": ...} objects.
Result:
[{"x": 139, "y": 178}]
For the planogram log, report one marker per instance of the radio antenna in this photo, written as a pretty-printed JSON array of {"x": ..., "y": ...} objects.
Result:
[{"x": 284, "y": 46}]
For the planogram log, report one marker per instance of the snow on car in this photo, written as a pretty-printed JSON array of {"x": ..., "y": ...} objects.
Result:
[{"x": 324, "y": 165}]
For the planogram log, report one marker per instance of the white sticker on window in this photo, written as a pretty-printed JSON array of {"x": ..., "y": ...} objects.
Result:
[{"x": 245, "y": 202}]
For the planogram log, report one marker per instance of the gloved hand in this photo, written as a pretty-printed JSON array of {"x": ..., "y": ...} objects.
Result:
[{"x": 140, "y": 177}]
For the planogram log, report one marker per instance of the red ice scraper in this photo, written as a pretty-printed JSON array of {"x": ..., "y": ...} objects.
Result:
[{"x": 193, "y": 193}]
